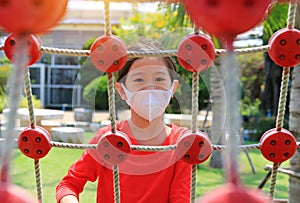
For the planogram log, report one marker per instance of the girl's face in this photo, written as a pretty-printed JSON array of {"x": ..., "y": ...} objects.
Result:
[{"x": 148, "y": 73}]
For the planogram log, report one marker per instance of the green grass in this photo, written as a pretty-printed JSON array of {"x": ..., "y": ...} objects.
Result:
[
  {"x": 209, "y": 179},
  {"x": 55, "y": 165}
]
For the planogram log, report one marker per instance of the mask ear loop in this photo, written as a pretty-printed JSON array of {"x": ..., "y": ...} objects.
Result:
[
  {"x": 171, "y": 89},
  {"x": 128, "y": 94}
]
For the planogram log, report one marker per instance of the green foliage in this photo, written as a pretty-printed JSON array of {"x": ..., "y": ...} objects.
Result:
[
  {"x": 162, "y": 25},
  {"x": 253, "y": 79},
  {"x": 88, "y": 71},
  {"x": 5, "y": 69},
  {"x": 275, "y": 21},
  {"x": 3, "y": 101},
  {"x": 95, "y": 93},
  {"x": 257, "y": 126},
  {"x": 249, "y": 108},
  {"x": 86, "y": 46},
  {"x": 36, "y": 102},
  {"x": 23, "y": 102}
]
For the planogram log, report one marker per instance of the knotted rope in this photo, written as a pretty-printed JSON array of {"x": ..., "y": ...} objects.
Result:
[
  {"x": 111, "y": 104},
  {"x": 282, "y": 97},
  {"x": 134, "y": 54},
  {"x": 194, "y": 128},
  {"x": 37, "y": 170}
]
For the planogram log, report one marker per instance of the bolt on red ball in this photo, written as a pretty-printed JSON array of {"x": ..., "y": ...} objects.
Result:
[
  {"x": 108, "y": 53},
  {"x": 284, "y": 47},
  {"x": 34, "y": 142},
  {"x": 114, "y": 148},
  {"x": 33, "y": 47},
  {"x": 193, "y": 148},
  {"x": 196, "y": 53},
  {"x": 278, "y": 146}
]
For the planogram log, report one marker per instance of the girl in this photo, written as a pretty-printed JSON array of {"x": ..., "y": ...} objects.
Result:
[{"x": 147, "y": 85}]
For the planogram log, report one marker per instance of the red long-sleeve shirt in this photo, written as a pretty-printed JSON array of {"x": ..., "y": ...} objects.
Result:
[{"x": 145, "y": 177}]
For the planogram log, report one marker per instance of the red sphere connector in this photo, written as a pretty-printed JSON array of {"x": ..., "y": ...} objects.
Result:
[
  {"x": 108, "y": 53},
  {"x": 234, "y": 193},
  {"x": 11, "y": 194},
  {"x": 114, "y": 148},
  {"x": 34, "y": 142},
  {"x": 196, "y": 53},
  {"x": 29, "y": 16},
  {"x": 278, "y": 146},
  {"x": 285, "y": 47},
  {"x": 33, "y": 45},
  {"x": 225, "y": 18},
  {"x": 194, "y": 148}
]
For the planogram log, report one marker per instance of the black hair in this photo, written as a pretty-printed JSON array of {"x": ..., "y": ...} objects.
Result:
[
  {"x": 144, "y": 47},
  {"x": 168, "y": 61}
]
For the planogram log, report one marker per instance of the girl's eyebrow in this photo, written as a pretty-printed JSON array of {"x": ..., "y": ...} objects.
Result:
[
  {"x": 161, "y": 73},
  {"x": 136, "y": 74}
]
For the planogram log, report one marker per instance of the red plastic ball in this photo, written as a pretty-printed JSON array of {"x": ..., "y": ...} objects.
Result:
[
  {"x": 284, "y": 47},
  {"x": 278, "y": 146},
  {"x": 232, "y": 193},
  {"x": 10, "y": 193},
  {"x": 33, "y": 45},
  {"x": 194, "y": 148},
  {"x": 225, "y": 18},
  {"x": 196, "y": 53},
  {"x": 34, "y": 142},
  {"x": 31, "y": 16},
  {"x": 108, "y": 53},
  {"x": 114, "y": 148}
]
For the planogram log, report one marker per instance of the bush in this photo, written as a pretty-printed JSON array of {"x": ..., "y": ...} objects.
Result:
[
  {"x": 257, "y": 126},
  {"x": 23, "y": 102},
  {"x": 5, "y": 69},
  {"x": 36, "y": 102},
  {"x": 95, "y": 93},
  {"x": 3, "y": 102},
  {"x": 253, "y": 78}
]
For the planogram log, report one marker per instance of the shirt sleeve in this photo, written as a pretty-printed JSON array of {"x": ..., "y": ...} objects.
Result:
[
  {"x": 181, "y": 184},
  {"x": 85, "y": 169}
]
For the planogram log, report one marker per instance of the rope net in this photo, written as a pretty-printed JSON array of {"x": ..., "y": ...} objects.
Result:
[{"x": 112, "y": 111}]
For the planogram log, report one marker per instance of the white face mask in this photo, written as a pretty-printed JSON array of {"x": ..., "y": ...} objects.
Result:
[{"x": 149, "y": 104}]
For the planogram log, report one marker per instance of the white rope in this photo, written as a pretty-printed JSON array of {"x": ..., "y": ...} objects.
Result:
[
  {"x": 146, "y": 148},
  {"x": 132, "y": 54}
]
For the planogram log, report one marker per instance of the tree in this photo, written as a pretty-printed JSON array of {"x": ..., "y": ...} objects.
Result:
[
  {"x": 294, "y": 122},
  {"x": 275, "y": 21}
]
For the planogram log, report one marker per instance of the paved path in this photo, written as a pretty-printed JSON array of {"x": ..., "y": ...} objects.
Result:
[
  {"x": 68, "y": 117},
  {"x": 98, "y": 116}
]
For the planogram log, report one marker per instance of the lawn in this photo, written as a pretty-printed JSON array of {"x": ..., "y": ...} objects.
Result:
[{"x": 54, "y": 166}]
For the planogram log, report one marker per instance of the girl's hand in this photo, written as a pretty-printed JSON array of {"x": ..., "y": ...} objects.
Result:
[{"x": 69, "y": 199}]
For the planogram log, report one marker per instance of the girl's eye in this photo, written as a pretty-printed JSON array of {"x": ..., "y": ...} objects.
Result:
[
  {"x": 160, "y": 79},
  {"x": 139, "y": 80}
]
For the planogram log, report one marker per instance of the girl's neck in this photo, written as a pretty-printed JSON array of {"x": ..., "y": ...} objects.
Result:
[{"x": 148, "y": 133}]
